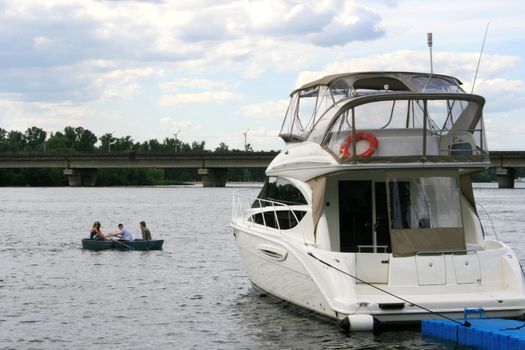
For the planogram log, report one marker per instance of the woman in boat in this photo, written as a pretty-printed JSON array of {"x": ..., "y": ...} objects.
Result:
[
  {"x": 146, "y": 234},
  {"x": 96, "y": 233}
]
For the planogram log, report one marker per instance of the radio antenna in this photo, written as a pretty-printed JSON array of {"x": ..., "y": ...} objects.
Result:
[
  {"x": 429, "y": 42},
  {"x": 479, "y": 59}
]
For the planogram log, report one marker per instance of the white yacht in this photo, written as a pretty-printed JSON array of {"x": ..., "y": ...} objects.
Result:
[{"x": 368, "y": 213}]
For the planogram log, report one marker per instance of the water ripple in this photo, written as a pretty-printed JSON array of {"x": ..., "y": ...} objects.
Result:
[{"x": 192, "y": 295}]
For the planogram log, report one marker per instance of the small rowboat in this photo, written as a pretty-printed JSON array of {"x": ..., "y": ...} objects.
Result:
[{"x": 137, "y": 244}]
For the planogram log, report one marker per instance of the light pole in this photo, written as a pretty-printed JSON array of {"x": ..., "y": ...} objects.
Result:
[
  {"x": 245, "y": 144},
  {"x": 109, "y": 141},
  {"x": 175, "y": 134}
]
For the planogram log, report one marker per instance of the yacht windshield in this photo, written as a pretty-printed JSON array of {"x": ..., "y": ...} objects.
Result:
[
  {"x": 306, "y": 106},
  {"x": 434, "y": 84}
]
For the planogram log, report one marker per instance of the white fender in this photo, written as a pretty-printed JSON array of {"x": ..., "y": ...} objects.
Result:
[{"x": 361, "y": 322}]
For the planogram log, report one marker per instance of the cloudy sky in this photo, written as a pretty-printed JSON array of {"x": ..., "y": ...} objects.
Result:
[{"x": 210, "y": 70}]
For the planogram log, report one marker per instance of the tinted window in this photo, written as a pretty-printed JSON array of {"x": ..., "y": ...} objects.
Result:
[{"x": 280, "y": 190}]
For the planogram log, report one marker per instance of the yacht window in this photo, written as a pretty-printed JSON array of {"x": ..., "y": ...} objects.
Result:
[
  {"x": 286, "y": 219},
  {"x": 435, "y": 85},
  {"x": 274, "y": 200},
  {"x": 306, "y": 107},
  {"x": 280, "y": 190},
  {"x": 424, "y": 203}
]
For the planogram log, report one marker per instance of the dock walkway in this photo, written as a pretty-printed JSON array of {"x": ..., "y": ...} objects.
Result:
[{"x": 484, "y": 333}]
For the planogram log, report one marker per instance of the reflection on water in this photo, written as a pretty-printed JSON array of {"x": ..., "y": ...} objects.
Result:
[{"x": 193, "y": 294}]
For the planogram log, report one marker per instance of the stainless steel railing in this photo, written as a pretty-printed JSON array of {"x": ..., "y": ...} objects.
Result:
[{"x": 249, "y": 210}]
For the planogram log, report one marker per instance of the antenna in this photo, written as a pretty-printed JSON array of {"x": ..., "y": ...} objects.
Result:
[
  {"x": 429, "y": 42},
  {"x": 479, "y": 59}
]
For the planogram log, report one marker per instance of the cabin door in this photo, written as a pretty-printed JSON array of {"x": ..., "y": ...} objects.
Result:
[{"x": 364, "y": 229}]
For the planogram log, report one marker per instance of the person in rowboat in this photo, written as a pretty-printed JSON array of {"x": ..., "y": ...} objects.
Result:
[
  {"x": 96, "y": 233},
  {"x": 146, "y": 234},
  {"x": 123, "y": 233}
]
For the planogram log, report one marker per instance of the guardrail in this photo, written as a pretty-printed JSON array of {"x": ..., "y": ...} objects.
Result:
[{"x": 248, "y": 210}]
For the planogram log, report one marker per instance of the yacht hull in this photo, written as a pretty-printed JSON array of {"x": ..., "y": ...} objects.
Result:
[
  {"x": 283, "y": 277},
  {"x": 285, "y": 270}
]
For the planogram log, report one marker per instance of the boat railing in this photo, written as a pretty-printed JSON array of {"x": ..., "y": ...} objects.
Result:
[{"x": 250, "y": 211}]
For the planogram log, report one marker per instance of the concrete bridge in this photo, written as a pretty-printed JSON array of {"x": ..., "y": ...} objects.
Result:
[
  {"x": 506, "y": 163},
  {"x": 81, "y": 168}
]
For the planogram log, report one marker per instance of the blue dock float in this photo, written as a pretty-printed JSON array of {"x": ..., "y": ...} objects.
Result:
[{"x": 483, "y": 333}]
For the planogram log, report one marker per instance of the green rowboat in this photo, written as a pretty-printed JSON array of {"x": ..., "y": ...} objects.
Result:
[{"x": 137, "y": 244}]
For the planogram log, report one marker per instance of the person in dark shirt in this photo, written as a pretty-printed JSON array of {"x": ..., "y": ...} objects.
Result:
[
  {"x": 96, "y": 233},
  {"x": 146, "y": 234}
]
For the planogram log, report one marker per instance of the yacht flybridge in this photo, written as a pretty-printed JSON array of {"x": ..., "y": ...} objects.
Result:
[{"x": 368, "y": 214}]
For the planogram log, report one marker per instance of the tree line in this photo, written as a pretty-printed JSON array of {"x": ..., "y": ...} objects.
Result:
[{"x": 81, "y": 140}]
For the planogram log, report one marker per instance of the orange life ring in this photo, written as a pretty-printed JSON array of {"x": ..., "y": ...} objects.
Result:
[{"x": 344, "y": 149}]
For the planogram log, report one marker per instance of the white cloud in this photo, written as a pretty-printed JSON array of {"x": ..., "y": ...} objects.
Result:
[
  {"x": 176, "y": 125},
  {"x": 192, "y": 84},
  {"x": 267, "y": 109},
  {"x": 501, "y": 95},
  {"x": 111, "y": 59},
  {"x": 198, "y": 98},
  {"x": 19, "y": 115},
  {"x": 120, "y": 83},
  {"x": 505, "y": 130},
  {"x": 324, "y": 23}
]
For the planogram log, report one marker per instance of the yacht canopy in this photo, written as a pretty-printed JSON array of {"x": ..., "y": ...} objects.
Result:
[{"x": 310, "y": 102}]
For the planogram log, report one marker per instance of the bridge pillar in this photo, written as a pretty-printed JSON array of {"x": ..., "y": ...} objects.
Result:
[
  {"x": 213, "y": 177},
  {"x": 505, "y": 177},
  {"x": 81, "y": 177}
]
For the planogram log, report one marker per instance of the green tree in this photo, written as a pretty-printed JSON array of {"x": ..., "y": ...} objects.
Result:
[
  {"x": 70, "y": 136},
  {"x": 58, "y": 143},
  {"x": 122, "y": 144},
  {"x": 105, "y": 142},
  {"x": 35, "y": 138},
  {"x": 15, "y": 141},
  {"x": 198, "y": 146},
  {"x": 3, "y": 140},
  {"x": 222, "y": 147},
  {"x": 86, "y": 140},
  {"x": 154, "y": 146}
]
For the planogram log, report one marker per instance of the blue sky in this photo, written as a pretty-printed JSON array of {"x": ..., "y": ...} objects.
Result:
[{"x": 214, "y": 69}]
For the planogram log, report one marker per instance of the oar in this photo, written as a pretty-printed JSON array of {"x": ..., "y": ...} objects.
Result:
[{"x": 125, "y": 245}]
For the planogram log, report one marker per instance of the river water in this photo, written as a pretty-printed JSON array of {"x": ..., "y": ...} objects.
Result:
[{"x": 194, "y": 294}]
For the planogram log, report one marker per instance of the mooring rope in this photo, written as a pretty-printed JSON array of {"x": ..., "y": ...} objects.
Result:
[{"x": 464, "y": 324}]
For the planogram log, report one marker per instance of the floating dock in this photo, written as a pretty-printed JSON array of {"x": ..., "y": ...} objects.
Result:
[{"x": 483, "y": 333}]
